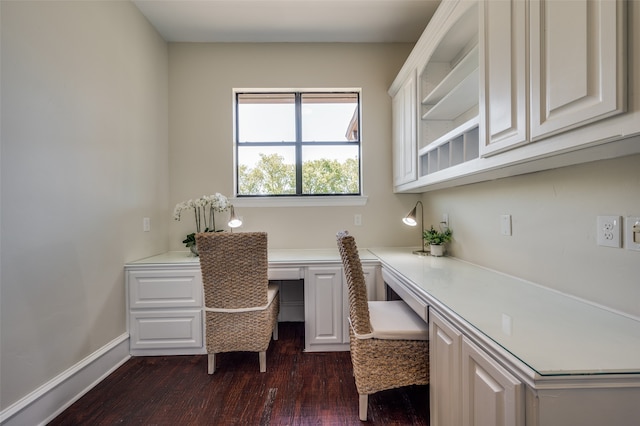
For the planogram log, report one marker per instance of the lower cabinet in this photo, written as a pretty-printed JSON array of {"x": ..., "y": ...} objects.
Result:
[
  {"x": 467, "y": 386},
  {"x": 490, "y": 394},
  {"x": 165, "y": 311},
  {"x": 165, "y": 306},
  {"x": 323, "y": 314},
  {"x": 326, "y": 304},
  {"x": 445, "y": 343}
]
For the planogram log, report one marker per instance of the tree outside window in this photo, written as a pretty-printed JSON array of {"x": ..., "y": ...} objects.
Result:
[{"x": 297, "y": 143}]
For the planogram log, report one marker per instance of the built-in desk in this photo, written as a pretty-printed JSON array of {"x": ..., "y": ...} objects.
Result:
[
  {"x": 165, "y": 299},
  {"x": 509, "y": 352}
]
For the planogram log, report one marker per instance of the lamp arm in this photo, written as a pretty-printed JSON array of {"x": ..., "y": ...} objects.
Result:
[{"x": 421, "y": 222}]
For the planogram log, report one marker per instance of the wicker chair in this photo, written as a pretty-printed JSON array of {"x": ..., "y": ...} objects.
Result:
[
  {"x": 241, "y": 307},
  {"x": 389, "y": 342}
]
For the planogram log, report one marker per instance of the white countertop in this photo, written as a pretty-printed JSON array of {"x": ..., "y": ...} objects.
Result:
[
  {"x": 552, "y": 333},
  {"x": 276, "y": 256}
]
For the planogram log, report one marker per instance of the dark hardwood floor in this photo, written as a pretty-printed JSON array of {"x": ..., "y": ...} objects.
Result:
[{"x": 298, "y": 389}]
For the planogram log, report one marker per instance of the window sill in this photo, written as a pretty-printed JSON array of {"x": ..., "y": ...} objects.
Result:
[{"x": 328, "y": 201}]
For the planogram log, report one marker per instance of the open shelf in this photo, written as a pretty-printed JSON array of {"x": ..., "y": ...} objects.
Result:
[
  {"x": 458, "y": 74},
  {"x": 454, "y": 148},
  {"x": 460, "y": 99}
]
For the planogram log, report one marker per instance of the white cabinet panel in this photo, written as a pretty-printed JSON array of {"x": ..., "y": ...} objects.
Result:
[
  {"x": 166, "y": 329},
  {"x": 503, "y": 75},
  {"x": 404, "y": 106},
  {"x": 490, "y": 394},
  {"x": 323, "y": 306},
  {"x": 444, "y": 369},
  {"x": 577, "y": 63},
  {"x": 162, "y": 289}
]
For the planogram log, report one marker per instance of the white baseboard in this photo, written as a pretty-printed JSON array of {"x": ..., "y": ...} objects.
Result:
[{"x": 45, "y": 403}]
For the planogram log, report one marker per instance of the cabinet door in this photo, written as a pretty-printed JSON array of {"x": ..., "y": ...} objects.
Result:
[
  {"x": 404, "y": 108},
  {"x": 323, "y": 315},
  {"x": 503, "y": 75},
  {"x": 490, "y": 394},
  {"x": 577, "y": 63},
  {"x": 444, "y": 372}
]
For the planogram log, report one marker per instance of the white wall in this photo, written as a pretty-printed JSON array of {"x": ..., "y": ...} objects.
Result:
[
  {"x": 554, "y": 228},
  {"x": 201, "y": 79},
  {"x": 84, "y": 159}
]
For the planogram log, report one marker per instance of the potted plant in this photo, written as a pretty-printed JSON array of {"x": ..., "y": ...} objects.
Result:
[
  {"x": 437, "y": 239},
  {"x": 204, "y": 213}
]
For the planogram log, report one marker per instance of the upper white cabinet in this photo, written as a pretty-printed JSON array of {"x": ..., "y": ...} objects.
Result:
[
  {"x": 578, "y": 72},
  {"x": 503, "y": 91},
  {"x": 517, "y": 86},
  {"x": 404, "y": 132},
  {"x": 576, "y": 62}
]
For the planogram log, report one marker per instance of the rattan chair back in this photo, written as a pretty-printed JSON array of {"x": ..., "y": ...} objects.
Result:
[
  {"x": 358, "y": 307},
  {"x": 234, "y": 269}
]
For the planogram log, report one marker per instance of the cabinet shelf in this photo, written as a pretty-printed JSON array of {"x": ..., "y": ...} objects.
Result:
[
  {"x": 461, "y": 98},
  {"x": 456, "y": 147},
  {"x": 458, "y": 74}
]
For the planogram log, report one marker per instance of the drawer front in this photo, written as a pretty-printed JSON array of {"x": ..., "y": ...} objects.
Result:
[
  {"x": 166, "y": 329},
  {"x": 417, "y": 304},
  {"x": 164, "y": 289},
  {"x": 284, "y": 274}
]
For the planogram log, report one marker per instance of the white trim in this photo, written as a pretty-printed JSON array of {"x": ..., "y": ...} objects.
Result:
[
  {"x": 300, "y": 201},
  {"x": 53, "y": 397}
]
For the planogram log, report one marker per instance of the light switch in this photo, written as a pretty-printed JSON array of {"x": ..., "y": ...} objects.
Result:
[
  {"x": 505, "y": 224},
  {"x": 632, "y": 233}
]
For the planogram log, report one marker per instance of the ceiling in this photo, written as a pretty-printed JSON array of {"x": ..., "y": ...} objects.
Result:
[{"x": 357, "y": 21}]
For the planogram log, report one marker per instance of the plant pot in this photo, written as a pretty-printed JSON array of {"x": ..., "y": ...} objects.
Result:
[
  {"x": 194, "y": 250},
  {"x": 436, "y": 251}
]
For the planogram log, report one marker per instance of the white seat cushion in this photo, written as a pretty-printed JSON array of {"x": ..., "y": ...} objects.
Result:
[{"x": 396, "y": 320}]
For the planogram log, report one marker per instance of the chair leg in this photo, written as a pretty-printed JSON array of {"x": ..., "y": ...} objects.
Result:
[
  {"x": 275, "y": 331},
  {"x": 211, "y": 363},
  {"x": 263, "y": 361},
  {"x": 364, "y": 402}
]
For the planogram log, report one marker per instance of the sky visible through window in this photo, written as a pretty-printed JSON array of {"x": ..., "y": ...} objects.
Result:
[{"x": 277, "y": 123}]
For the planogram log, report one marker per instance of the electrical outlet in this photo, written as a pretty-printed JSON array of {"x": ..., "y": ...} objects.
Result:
[
  {"x": 357, "y": 219},
  {"x": 632, "y": 233},
  {"x": 608, "y": 231},
  {"x": 146, "y": 224}
]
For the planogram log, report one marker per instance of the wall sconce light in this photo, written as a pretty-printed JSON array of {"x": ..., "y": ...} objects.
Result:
[
  {"x": 234, "y": 221},
  {"x": 410, "y": 220}
]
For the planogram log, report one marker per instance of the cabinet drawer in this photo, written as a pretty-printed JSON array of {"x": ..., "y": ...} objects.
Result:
[
  {"x": 418, "y": 305},
  {"x": 164, "y": 289},
  {"x": 166, "y": 329},
  {"x": 284, "y": 274}
]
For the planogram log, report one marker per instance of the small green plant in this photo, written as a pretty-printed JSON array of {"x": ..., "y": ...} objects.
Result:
[{"x": 434, "y": 237}]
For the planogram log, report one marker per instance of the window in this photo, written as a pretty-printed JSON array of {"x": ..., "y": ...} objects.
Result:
[{"x": 297, "y": 143}]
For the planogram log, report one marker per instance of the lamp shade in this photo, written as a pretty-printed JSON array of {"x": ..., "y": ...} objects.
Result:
[
  {"x": 234, "y": 221},
  {"x": 410, "y": 219}
]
